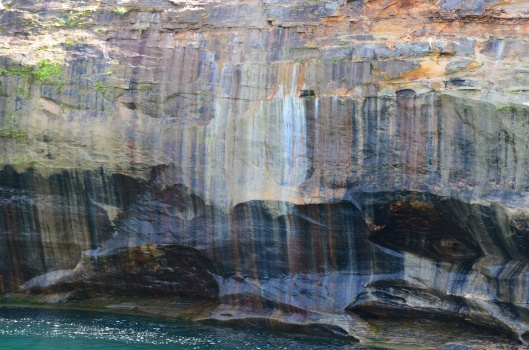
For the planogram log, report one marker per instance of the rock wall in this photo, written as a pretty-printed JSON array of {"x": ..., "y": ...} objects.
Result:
[{"x": 335, "y": 167}]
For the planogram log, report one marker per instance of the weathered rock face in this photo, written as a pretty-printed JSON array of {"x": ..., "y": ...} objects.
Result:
[{"x": 327, "y": 166}]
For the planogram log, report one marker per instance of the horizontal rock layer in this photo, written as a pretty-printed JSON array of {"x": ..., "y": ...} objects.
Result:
[{"x": 336, "y": 167}]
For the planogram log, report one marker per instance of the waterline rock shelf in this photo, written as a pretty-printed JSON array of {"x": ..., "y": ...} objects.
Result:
[{"x": 355, "y": 169}]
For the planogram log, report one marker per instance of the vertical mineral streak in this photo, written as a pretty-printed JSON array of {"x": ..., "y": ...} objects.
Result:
[{"x": 334, "y": 167}]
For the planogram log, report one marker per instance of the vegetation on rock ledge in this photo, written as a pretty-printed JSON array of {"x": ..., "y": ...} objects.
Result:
[
  {"x": 120, "y": 10},
  {"x": 47, "y": 71},
  {"x": 8, "y": 128}
]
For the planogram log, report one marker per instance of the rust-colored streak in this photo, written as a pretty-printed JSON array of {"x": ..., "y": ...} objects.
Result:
[
  {"x": 330, "y": 237},
  {"x": 292, "y": 246},
  {"x": 14, "y": 246},
  {"x": 333, "y": 19}
]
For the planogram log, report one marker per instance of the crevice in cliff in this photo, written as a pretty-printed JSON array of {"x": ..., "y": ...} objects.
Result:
[
  {"x": 426, "y": 229},
  {"x": 307, "y": 93},
  {"x": 442, "y": 228}
]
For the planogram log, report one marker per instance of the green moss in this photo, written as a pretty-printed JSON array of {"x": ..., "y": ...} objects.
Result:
[
  {"x": 18, "y": 160},
  {"x": 9, "y": 128},
  {"x": 120, "y": 10},
  {"x": 300, "y": 60},
  {"x": 12, "y": 133},
  {"x": 304, "y": 48},
  {"x": 23, "y": 72},
  {"x": 47, "y": 71},
  {"x": 75, "y": 18},
  {"x": 307, "y": 94},
  {"x": 511, "y": 108},
  {"x": 301, "y": 48},
  {"x": 145, "y": 87},
  {"x": 100, "y": 87}
]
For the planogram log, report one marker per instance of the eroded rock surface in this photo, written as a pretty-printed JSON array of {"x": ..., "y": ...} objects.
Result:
[{"x": 341, "y": 168}]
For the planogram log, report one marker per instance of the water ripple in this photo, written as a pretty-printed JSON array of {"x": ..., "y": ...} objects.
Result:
[{"x": 24, "y": 328}]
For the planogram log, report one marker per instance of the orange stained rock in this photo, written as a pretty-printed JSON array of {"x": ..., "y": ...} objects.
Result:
[
  {"x": 433, "y": 66},
  {"x": 333, "y": 19}
]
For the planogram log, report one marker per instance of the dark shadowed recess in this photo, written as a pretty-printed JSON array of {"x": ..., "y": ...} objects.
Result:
[
  {"x": 443, "y": 228},
  {"x": 149, "y": 270},
  {"x": 424, "y": 225}
]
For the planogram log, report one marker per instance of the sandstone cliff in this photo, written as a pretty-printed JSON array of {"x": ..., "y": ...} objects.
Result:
[{"x": 328, "y": 166}]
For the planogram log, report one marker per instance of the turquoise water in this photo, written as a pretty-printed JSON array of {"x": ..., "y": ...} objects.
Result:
[{"x": 44, "y": 329}]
